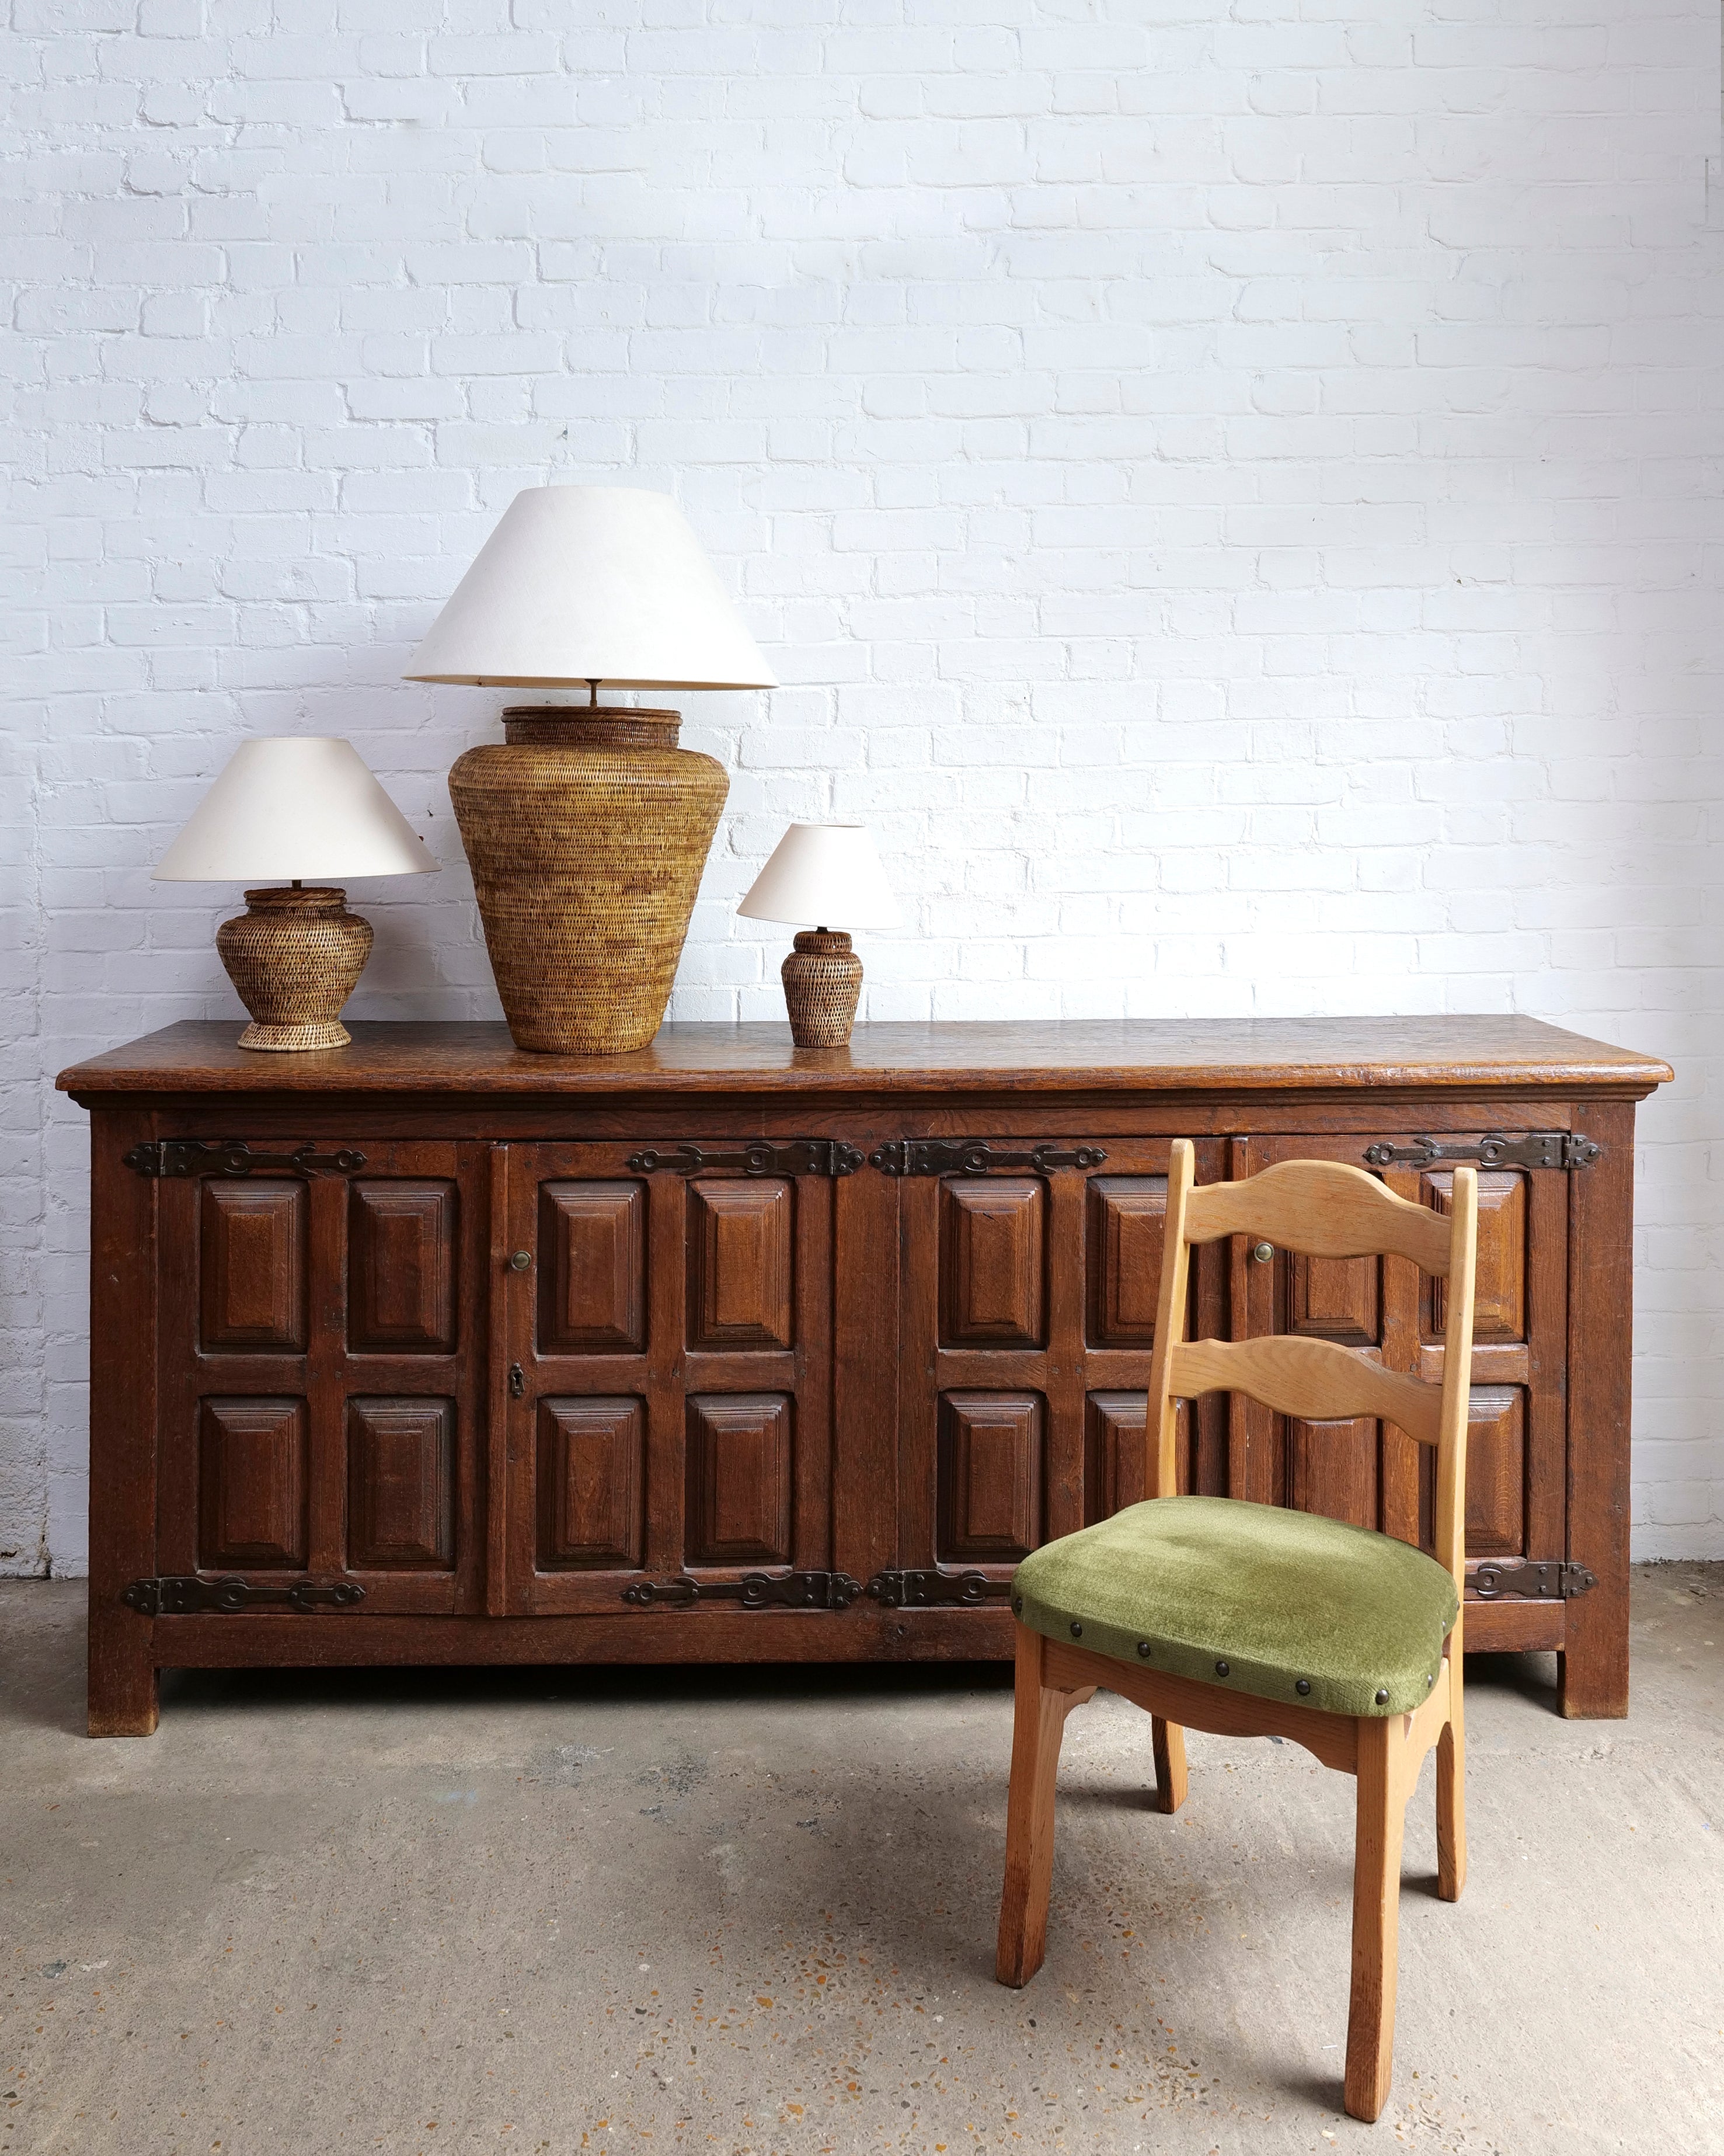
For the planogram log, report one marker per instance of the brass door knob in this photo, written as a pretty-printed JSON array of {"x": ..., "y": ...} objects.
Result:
[
  {"x": 521, "y": 1260},
  {"x": 1264, "y": 1252}
]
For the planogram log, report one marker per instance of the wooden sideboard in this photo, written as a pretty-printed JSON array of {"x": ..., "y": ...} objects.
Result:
[{"x": 426, "y": 1350}]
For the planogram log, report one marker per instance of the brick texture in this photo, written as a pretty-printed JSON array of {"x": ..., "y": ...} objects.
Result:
[{"x": 1235, "y": 498}]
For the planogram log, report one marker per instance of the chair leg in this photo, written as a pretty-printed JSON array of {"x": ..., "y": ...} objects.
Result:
[
  {"x": 1169, "y": 1741},
  {"x": 1038, "y": 1725},
  {"x": 1377, "y": 1897},
  {"x": 1451, "y": 1793}
]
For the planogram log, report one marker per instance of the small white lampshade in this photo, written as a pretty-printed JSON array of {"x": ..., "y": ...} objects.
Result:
[
  {"x": 305, "y": 809},
  {"x": 826, "y": 875},
  {"x": 590, "y": 584}
]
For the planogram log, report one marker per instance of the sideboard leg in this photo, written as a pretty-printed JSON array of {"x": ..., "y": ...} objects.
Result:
[
  {"x": 1593, "y": 1667},
  {"x": 124, "y": 1681},
  {"x": 122, "y": 1425}
]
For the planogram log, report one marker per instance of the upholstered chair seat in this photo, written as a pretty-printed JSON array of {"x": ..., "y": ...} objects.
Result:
[{"x": 1286, "y": 1605}]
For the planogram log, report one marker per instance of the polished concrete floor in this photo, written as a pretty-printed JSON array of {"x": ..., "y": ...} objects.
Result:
[{"x": 753, "y": 1912}]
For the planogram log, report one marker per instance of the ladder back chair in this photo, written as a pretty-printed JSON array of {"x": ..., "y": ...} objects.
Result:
[{"x": 1248, "y": 1620}]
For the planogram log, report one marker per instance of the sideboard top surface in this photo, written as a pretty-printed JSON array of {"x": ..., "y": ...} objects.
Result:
[{"x": 1421, "y": 1053}]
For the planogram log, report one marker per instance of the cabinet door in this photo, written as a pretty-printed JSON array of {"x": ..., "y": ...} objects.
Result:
[
  {"x": 321, "y": 1341},
  {"x": 669, "y": 1391},
  {"x": 1371, "y": 1473},
  {"x": 1028, "y": 1308}
]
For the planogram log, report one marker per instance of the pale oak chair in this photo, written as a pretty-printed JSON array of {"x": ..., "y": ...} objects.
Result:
[{"x": 1250, "y": 1620}]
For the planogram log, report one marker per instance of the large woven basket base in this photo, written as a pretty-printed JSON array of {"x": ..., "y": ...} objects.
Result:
[{"x": 587, "y": 846}]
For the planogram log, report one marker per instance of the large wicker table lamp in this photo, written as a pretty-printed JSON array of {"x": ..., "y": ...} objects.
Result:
[{"x": 588, "y": 827}]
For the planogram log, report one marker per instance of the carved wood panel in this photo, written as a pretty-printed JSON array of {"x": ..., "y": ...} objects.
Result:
[
  {"x": 1374, "y": 1475},
  {"x": 251, "y": 1259},
  {"x": 591, "y": 1484},
  {"x": 1496, "y": 1471},
  {"x": 1499, "y": 1284},
  {"x": 990, "y": 1472},
  {"x": 1338, "y": 1299},
  {"x": 253, "y": 1484},
  {"x": 992, "y": 1288},
  {"x": 401, "y": 1485},
  {"x": 592, "y": 1290},
  {"x": 740, "y": 1262},
  {"x": 1114, "y": 1459},
  {"x": 1038, "y": 1291},
  {"x": 1332, "y": 1469},
  {"x": 346, "y": 1296},
  {"x": 1127, "y": 1222},
  {"x": 739, "y": 1493},
  {"x": 401, "y": 1266}
]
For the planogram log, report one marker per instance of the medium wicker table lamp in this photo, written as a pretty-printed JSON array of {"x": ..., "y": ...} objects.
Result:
[
  {"x": 587, "y": 827},
  {"x": 301, "y": 808},
  {"x": 822, "y": 873}
]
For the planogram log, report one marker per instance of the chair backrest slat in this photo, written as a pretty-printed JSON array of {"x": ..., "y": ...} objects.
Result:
[
  {"x": 1313, "y": 1379},
  {"x": 1323, "y": 1208}
]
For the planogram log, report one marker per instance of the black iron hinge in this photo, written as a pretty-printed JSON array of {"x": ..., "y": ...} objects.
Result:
[
  {"x": 831, "y": 1157},
  {"x": 183, "y": 1596},
  {"x": 975, "y": 1156},
  {"x": 1537, "y": 1149},
  {"x": 929, "y": 1590},
  {"x": 173, "y": 1156},
  {"x": 754, "y": 1590},
  {"x": 1521, "y": 1581}
]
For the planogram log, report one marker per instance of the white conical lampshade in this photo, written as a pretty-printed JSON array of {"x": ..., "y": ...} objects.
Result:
[
  {"x": 300, "y": 808},
  {"x": 590, "y": 584},
  {"x": 824, "y": 876}
]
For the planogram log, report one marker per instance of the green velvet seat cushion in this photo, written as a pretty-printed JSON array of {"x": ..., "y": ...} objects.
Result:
[{"x": 1282, "y": 1599}]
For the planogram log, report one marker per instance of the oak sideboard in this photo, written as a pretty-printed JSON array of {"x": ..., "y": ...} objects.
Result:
[{"x": 428, "y": 1350}]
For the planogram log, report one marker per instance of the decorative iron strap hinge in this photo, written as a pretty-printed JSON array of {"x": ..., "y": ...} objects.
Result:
[
  {"x": 974, "y": 1157},
  {"x": 184, "y": 1596},
  {"x": 1537, "y": 1149},
  {"x": 929, "y": 1590},
  {"x": 1530, "y": 1583},
  {"x": 831, "y": 1157},
  {"x": 171, "y": 1157},
  {"x": 754, "y": 1590}
]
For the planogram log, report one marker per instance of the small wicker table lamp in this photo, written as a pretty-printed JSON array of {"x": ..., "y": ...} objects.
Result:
[
  {"x": 822, "y": 873},
  {"x": 301, "y": 808}
]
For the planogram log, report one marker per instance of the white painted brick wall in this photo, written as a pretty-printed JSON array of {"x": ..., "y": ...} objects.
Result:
[{"x": 1234, "y": 498}]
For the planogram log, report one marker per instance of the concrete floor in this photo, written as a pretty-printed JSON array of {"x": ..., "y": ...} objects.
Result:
[{"x": 753, "y": 1912}]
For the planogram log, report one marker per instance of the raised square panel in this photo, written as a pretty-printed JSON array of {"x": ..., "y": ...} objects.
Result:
[
  {"x": 592, "y": 1478},
  {"x": 1334, "y": 1299},
  {"x": 1331, "y": 1468},
  {"x": 1128, "y": 1220},
  {"x": 990, "y": 1476},
  {"x": 1114, "y": 1453},
  {"x": 592, "y": 1268},
  {"x": 401, "y": 1485},
  {"x": 401, "y": 1268},
  {"x": 992, "y": 1290},
  {"x": 251, "y": 1238},
  {"x": 252, "y": 1485},
  {"x": 1496, "y": 1471},
  {"x": 739, "y": 1479},
  {"x": 1500, "y": 1281},
  {"x": 740, "y": 1263}
]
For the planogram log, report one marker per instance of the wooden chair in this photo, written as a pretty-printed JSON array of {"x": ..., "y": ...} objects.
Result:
[{"x": 1252, "y": 1620}]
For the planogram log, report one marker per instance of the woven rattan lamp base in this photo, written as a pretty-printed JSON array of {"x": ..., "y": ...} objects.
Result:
[
  {"x": 586, "y": 830},
  {"x": 822, "y": 982},
  {"x": 295, "y": 956}
]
